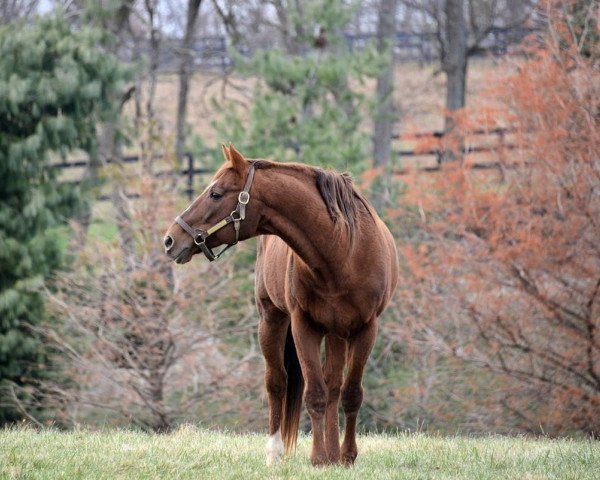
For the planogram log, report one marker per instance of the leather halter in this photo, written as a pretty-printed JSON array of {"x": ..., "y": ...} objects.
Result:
[{"x": 235, "y": 217}]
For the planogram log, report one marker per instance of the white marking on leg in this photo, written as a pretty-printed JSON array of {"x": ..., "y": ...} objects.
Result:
[{"x": 274, "y": 448}]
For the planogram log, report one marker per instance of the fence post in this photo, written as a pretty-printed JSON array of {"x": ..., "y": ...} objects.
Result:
[
  {"x": 190, "y": 173},
  {"x": 501, "y": 154}
]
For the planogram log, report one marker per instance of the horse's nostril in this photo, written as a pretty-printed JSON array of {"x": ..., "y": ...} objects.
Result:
[{"x": 168, "y": 242}]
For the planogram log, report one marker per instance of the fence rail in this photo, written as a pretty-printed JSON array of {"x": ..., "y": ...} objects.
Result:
[
  {"x": 190, "y": 172},
  {"x": 500, "y": 144},
  {"x": 211, "y": 52},
  {"x": 478, "y": 141}
]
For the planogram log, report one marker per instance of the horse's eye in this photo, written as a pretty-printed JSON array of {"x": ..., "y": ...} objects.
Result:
[{"x": 215, "y": 195}]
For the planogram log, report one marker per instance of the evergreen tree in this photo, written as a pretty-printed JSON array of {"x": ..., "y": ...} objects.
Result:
[
  {"x": 309, "y": 102},
  {"x": 55, "y": 85}
]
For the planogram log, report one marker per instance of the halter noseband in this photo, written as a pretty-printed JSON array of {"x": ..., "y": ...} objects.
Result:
[{"x": 235, "y": 217}]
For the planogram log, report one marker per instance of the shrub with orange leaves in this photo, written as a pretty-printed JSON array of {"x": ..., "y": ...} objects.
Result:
[{"x": 517, "y": 262}]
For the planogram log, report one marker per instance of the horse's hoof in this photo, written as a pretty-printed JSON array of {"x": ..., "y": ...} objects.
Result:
[
  {"x": 274, "y": 449},
  {"x": 273, "y": 458},
  {"x": 319, "y": 460},
  {"x": 348, "y": 458}
]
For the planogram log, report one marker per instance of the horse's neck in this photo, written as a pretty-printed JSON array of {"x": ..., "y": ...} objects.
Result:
[{"x": 295, "y": 211}]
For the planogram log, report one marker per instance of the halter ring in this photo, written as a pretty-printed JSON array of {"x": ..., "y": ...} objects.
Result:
[
  {"x": 202, "y": 239},
  {"x": 244, "y": 198}
]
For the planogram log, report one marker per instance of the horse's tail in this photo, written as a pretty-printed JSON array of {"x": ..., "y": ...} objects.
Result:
[{"x": 292, "y": 402}]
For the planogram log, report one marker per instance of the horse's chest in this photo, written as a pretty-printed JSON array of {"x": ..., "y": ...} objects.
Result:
[
  {"x": 338, "y": 317},
  {"x": 335, "y": 313}
]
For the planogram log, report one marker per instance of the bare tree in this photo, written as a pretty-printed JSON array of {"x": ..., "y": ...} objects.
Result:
[
  {"x": 115, "y": 19},
  {"x": 226, "y": 12},
  {"x": 454, "y": 56},
  {"x": 151, "y": 7},
  {"x": 11, "y": 10},
  {"x": 110, "y": 147},
  {"x": 461, "y": 27},
  {"x": 385, "y": 115},
  {"x": 264, "y": 24},
  {"x": 185, "y": 59},
  {"x": 290, "y": 15},
  {"x": 136, "y": 345},
  {"x": 131, "y": 350}
]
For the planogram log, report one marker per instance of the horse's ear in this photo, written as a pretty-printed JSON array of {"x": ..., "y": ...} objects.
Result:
[
  {"x": 226, "y": 153},
  {"x": 237, "y": 159}
]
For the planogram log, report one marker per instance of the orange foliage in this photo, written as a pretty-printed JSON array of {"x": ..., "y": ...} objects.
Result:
[
  {"x": 516, "y": 264},
  {"x": 369, "y": 176},
  {"x": 426, "y": 144}
]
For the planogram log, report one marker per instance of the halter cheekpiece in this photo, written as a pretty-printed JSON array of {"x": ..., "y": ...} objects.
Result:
[{"x": 234, "y": 217}]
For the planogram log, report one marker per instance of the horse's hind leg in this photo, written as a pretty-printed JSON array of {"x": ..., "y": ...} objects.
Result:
[
  {"x": 335, "y": 360},
  {"x": 359, "y": 348},
  {"x": 272, "y": 331}
]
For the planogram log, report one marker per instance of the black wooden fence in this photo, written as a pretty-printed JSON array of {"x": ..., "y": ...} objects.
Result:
[
  {"x": 211, "y": 52},
  {"x": 486, "y": 141},
  {"x": 478, "y": 141},
  {"x": 190, "y": 170}
]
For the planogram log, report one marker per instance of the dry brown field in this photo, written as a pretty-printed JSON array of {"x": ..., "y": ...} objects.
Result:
[{"x": 419, "y": 94}]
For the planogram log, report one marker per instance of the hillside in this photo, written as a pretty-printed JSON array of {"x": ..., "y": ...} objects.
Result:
[{"x": 196, "y": 453}]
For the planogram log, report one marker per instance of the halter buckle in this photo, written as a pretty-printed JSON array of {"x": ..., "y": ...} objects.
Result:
[
  {"x": 199, "y": 239},
  {"x": 244, "y": 198}
]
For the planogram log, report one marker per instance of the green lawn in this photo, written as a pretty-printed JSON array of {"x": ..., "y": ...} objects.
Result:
[{"x": 196, "y": 453}]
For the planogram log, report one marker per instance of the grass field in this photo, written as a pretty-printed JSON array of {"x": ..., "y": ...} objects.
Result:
[{"x": 196, "y": 453}]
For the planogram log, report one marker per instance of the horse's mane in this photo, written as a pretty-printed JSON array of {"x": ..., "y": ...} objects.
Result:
[{"x": 337, "y": 190}]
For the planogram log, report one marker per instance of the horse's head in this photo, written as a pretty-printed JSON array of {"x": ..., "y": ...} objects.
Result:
[{"x": 220, "y": 215}]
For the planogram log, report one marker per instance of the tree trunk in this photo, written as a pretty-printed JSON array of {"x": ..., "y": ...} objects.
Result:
[
  {"x": 292, "y": 31},
  {"x": 83, "y": 218},
  {"x": 151, "y": 8},
  {"x": 109, "y": 148},
  {"x": 116, "y": 23},
  {"x": 455, "y": 58},
  {"x": 109, "y": 145},
  {"x": 152, "y": 126},
  {"x": 161, "y": 422},
  {"x": 186, "y": 59},
  {"x": 230, "y": 23},
  {"x": 385, "y": 114}
]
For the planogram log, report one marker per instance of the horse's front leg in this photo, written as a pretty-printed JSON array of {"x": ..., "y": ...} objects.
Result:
[
  {"x": 359, "y": 348},
  {"x": 308, "y": 342},
  {"x": 335, "y": 360},
  {"x": 272, "y": 331}
]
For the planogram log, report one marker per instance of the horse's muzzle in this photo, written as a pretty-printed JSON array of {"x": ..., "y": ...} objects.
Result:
[{"x": 183, "y": 257}]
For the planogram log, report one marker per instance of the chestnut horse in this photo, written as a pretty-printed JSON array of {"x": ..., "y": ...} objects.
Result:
[{"x": 326, "y": 269}]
